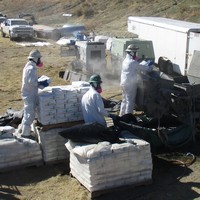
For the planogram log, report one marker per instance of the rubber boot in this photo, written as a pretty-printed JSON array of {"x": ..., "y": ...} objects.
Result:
[
  {"x": 26, "y": 130},
  {"x": 19, "y": 128}
]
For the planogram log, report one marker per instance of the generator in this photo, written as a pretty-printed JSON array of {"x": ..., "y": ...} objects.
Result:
[
  {"x": 90, "y": 57},
  {"x": 119, "y": 45}
]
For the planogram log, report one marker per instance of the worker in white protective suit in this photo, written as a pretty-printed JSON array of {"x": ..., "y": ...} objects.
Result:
[
  {"x": 129, "y": 80},
  {"x": 92, "y": 103},
  {"x": 29, "y": 92}
]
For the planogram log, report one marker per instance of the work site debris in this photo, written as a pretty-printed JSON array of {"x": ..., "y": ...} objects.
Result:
[{"x": 36, "y": 44}]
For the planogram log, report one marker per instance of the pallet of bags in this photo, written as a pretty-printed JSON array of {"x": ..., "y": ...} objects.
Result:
[
  {"x": 52, "y": 145},
  {"x": 17, "y": 152},
  {"x": 105, "y": 166},
  {"x": 60, "y": 104}
]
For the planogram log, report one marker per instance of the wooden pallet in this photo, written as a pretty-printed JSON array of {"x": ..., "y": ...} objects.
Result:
[
  {"x": 59, "y": 125},
  {"x": 54, "y": 162},
  {"x": 22, "y": 166},
  {"x": 94, "y": 194},
  {"x": 99, "y": 193}
]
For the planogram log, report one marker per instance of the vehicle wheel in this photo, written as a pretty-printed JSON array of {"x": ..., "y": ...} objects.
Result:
[
  {"x": 3, "y": 34},
  {"x": 11, "y": 39},
  {"x": 35, "y": 34}
]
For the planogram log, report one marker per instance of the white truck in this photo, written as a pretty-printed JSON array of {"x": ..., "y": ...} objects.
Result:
[
  {"x": 16, "y": 28},
  {"x": 174, "y": 39}
]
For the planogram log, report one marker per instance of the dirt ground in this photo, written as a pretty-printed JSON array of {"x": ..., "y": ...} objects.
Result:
[{"x": 170, "y": 180}]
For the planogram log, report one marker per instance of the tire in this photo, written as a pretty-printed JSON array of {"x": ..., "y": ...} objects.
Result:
[
  {"x": 35, "y": 34},
  {"x": 3, "y": 34},
  {"x": 11, "y": 39}
]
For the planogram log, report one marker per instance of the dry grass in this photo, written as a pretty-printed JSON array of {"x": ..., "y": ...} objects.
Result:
[{"x": 13, "y": 59}]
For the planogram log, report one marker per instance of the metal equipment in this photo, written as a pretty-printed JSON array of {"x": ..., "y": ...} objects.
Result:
[
  {"x": 90, "y": 57},
  {"x": 160, "y": 95}
]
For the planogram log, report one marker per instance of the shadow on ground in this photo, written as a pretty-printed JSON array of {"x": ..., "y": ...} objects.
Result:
[{"x": 10, "y": 180}]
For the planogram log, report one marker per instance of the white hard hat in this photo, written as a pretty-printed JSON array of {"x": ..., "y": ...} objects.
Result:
[
  {"x": 34, "y": 54},
  {"x": 132, "y": 47}
]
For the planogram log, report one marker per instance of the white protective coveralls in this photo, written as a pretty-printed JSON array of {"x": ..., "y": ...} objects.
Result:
[
  {"x": 128, "y": 84},
  {"x": 93, "y": 107},
  {"x": 29, "y": 92}
]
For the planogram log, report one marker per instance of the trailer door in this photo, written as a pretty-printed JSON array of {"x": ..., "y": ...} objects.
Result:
[{"x": 193, "y": 44}]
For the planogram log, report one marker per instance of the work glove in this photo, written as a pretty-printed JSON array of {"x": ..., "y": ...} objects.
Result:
[
  {"x": 113, "y": 117},
  {"x": 43, "y": 84},
  {"x": 150, "y": 62}
]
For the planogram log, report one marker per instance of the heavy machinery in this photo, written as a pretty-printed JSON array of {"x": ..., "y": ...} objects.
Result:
[
  {"x": 40, "y": 31},
  {"x": 169, "y": 101},
  {"x": 29, "y": 17},
  {"x": 174, "y": 98}
]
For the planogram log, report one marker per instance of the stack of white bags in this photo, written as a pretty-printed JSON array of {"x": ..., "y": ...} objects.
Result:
[
  {"x": 58, "y": 104},
  {"x": 17, "y": 152},
  {"x": 104, "y": 166},
  {"x": 61, "y": 103},
  {"x": 52, "y": 145}
]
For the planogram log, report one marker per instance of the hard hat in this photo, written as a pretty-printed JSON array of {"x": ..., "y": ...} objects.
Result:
[
  {"x": 95, "y": 78},
  {"x": 34, "y": 54},
  {"x": 131, "y": 47}
]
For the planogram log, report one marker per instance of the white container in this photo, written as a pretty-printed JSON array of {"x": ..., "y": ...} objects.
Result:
[{"x": 171, "y": 38}]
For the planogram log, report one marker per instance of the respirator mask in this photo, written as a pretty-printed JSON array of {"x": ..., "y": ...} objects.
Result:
[
  {"x": 97, "y": 87},
  {"x": 39, "y": 63}
]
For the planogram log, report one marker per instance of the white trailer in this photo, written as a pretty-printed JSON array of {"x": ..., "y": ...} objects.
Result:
[{"x": 171, "y": 38}]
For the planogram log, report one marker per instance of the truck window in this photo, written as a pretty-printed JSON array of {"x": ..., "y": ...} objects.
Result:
[{"x": 19, "y": 22}]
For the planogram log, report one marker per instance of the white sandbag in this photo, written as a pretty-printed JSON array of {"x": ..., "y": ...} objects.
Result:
[
  {"x": 52, "y": 144},
  {"x": 78, "y": 84},
  {"x": 103, "y": 166},
  {"x": 61, "y": 104},
  {"x": 6, "y": 131},
  {"x": 19, "y": 152}
]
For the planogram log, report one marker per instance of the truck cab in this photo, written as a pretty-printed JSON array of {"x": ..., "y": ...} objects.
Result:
[{"x": 16, "y": 28}]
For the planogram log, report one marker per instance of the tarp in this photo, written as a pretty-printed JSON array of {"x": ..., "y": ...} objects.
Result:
[{"x": 90, "y": 133}]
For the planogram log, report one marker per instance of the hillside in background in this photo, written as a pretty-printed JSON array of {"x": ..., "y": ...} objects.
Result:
[{"x": 104, "y": 17}]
